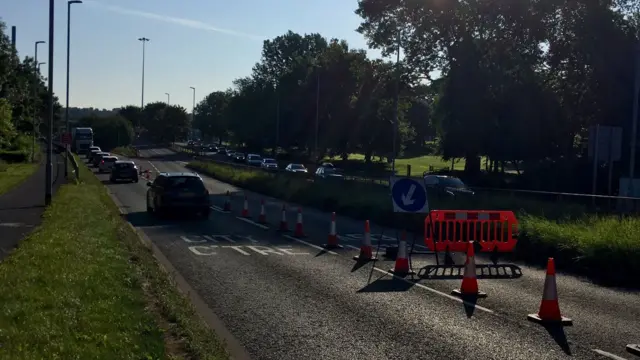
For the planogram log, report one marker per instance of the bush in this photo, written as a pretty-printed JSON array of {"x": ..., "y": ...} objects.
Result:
[
  {"x": 605, "y": 248},
  {"x": 15, "y": 156}
]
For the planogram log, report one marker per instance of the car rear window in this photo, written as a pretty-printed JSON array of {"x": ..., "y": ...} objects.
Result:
[
  {"x": 110, "y": 159},
  {"x": 185, "y": 182},
  {"x": 124, "y": 166}
]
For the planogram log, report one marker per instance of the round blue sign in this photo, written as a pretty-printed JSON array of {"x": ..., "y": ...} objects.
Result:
[{"x": 409, "y": 195}]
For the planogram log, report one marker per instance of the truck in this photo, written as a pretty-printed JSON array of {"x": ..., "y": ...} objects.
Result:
[{"x": 81, "y": 139}]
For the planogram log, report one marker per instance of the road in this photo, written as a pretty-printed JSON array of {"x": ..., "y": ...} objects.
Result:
[{"x": 283, "y": 298}]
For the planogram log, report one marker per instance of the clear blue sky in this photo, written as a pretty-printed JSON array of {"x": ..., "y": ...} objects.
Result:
[{"x": 201, "y": 43}]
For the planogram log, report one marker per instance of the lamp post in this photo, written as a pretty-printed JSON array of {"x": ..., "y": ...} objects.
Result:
[
  {"x": 49, "y": 168},
  {"x": 144, "y": 41},
  {"x": 168, "y": 98},
  {"x": 35, "y": 96},
  {"x": 66, "y": 109},
  {"x": 193, "y": 110}
]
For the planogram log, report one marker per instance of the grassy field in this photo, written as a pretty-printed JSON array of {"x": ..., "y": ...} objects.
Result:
[
  {"x": 11, "y": 175},
  {"x": 125, "y": 151},
  {"x": 419, "y": 164},
  {"x": 83, "y": 286},
  {"x": 606, "y": 249}
]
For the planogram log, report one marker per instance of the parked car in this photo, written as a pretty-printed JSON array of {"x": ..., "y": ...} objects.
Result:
[
  {"x": 124, "y": 170},
  {"x": 254, "y": 160},
  {"x": 106, "y": 163},
  {"x": 97, "y": 157},
  {"x": 296, "y": 168},
  {"x": 269, "y": 164},
  {"x": 328, "y": 173},
  {"x": 178, "y": 191},
  {"x": 441, "y": 185},
  {"x": 238, "y": 157}
]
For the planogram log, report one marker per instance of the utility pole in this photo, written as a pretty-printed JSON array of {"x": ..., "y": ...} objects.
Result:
[
  {"x": 634, "y": 119},
  {"x": 49, "y": 167},
  {"x": 66, "y": 109},
  {"x": 317, "y": 157},
  {"x": 168, "y": 98},
  {"x": 144, "y": 41},
  {"x": 13, "y": 37},
  {"x": 36, "y": 77},
  {"x": 193, "y": 110},
  {"x": 396, "y": 100}
]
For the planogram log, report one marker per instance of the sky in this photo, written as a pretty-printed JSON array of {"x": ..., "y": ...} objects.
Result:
[{"x": 204, "y": 44}]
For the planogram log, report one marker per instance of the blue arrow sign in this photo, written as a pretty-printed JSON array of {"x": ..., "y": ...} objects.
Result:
[{"x": 408, "y": 195}]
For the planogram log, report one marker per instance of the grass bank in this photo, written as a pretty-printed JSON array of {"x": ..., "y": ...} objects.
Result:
[
  {"x": 126, "y": 151},
  {"x": 82, "y": 286},
  {"x": 606, "y": 249},
  {"x": 11, "y": 175}
]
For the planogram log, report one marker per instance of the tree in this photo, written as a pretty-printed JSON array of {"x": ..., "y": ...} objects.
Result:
[{"x": 109, "y": 132}]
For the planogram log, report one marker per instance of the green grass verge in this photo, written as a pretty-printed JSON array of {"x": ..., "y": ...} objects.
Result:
[
  {"x": 83, "y": 286},
  {"x": 11, "y": 175},
  {"x": 606, "y": 249},
  {"x": 125, "y": 151}
]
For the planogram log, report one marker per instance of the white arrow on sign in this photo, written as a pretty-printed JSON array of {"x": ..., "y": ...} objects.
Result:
[{"x": 408, "y": 198}]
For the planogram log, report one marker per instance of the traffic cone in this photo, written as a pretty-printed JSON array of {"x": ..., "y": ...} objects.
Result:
[
  {"x": 401, "y": 266},
  {"x": 469, "y": 285},
  {"x": 262, "y": 219},
  {"x": 549, "y": 307},
  {"x": 634, "y": 349},
  {"x": 227, "y": 203},
  {"x": 245, "y": 208},
  {"x": 366, "y": 250},
  {"x": 299, "y": 232},
  {"x": 283, "y": 223},
  {"x": 332, "y": 241}
]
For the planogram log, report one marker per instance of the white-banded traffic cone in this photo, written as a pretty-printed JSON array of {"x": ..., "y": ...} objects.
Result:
[
  {"x": 283, "y": 222},
  {"x": 549, "y": 312},
  {"x": 245, "y": 208},
  {"x": 401, "y": 266},
  {"x": 332, "y": 240},
  {"x": 299, "y": 231},
  {"x": 366, "y": 250},
  {"x": 262, "y": 219},
  {"x": 469, "y": 286}
]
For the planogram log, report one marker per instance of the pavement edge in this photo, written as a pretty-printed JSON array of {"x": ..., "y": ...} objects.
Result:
[{"x": 234, "y": 348}]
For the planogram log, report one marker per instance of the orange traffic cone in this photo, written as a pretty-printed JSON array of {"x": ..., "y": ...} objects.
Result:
[
  {"x": 262, "y": 219},
  {"x": 227, "y": 203},
  {"x": 634, "y": 349},
  {"x": 469, "y": 285},
  {"x": 283, "y": 223},
  {"x": 245, "y": 208},
  {"x": 332, "y": 241},
  {"x": 366, "y": 250},
  {"x": 402, "y": 261},
  {"x": 299, "y": 232},
  {"x": 549, "y": 307}
]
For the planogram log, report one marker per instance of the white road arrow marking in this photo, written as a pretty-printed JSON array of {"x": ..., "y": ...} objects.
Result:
[{"x": 408, "y": 198}]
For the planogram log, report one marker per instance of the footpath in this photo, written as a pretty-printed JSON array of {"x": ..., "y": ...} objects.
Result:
[{"x": 21, "y": 209}]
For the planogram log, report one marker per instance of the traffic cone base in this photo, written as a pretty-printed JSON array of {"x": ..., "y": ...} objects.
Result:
[
  {"x": 365, "y": 258},
  {"x": 634, "y": 349},
  {"x": 537, "y": 319},
  {"x": 479, "y": 294},
  {"x": 469, "y": 286}
]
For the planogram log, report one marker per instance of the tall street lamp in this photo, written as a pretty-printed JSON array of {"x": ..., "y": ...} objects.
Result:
[
  {"x": 168, "y": 98},
  {"x": 66, "y": 110},
  {"x": 193, "y": 110},
  {"x": 49, "y": 169},
  {"x": 35, "y": 96},
  {"x": 144, "y": 41}
]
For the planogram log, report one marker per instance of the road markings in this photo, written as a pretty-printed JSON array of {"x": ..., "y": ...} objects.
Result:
[
  {"x": 608, "y": 354},
  {"x": 237, "y": 248},
  {"x": 207, "y": 250},
  {"x": 201, "y": 250},
  {"x": 249, "y": 221},
  {"x": 215, "y": 208},
  {"x": 309, "y": 244},
  {"x": 189, "y": 241}
]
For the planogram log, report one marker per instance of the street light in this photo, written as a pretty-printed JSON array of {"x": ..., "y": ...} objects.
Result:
[
  {"x": 168, "y": 98},
  {"x": 49, "y": 169},
  {"x": 193, "y": 110},
  {"x": 66, "y": 110},
  {"x": 396, "y": 100},
  {"x": 35, "y": 96},
  {"x": 144, "y": 41}
]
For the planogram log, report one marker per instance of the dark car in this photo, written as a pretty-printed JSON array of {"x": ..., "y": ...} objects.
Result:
[
  {"x": 449, "y": 186},
  {"x": 222, "y": 150},
  {"x": 124, "y": 170},
  {"x": 178, "y": 191},
  {"x": 92, "y": 153},
  {"x": 92, "y": 150},
  {"x": 328, "y": 172},
  {"x": 98, "y": 157},
  {"x": 238, "y": 157}
]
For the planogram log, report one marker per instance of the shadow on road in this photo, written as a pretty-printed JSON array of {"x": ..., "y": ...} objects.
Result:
[
  {"x": 387, "y": 284},
  {"x": 559, "y": 336},
  {"x": 444, "y": 272},
  {"x": 144, "y": 219}
]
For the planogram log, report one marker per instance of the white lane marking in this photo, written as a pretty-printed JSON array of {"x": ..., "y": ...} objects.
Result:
[
  {"x": 215, "y": 208},
  {"x": 187, "y": 240},
  {"x": 249, "y": 221},
  {"x": 310, "y": 244},
  {"x": 353, "y": 247},
  {"x": 153, "y": 166},
  {"x": 237, "y": 248},
  {"x": 198, "y": 250},
  {"x": 209, "y": 238},
  {"x": 608, "y": 354},
  {"x": 263, "y": 250}
]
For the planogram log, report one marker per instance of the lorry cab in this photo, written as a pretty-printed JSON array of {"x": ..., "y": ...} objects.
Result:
[{"x": 81, "y": 139}]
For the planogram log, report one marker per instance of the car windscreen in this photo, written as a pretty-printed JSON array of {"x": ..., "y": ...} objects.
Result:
[
  {"x": 185, "y": 182},
  {"x": 269, "y": 161},
  {"x": 452, "y": 182},
  {"x": 297, "y": 167}
]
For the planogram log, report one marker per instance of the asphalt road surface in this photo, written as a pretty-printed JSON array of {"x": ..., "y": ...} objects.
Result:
[{"x": 283, "y": 298}]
